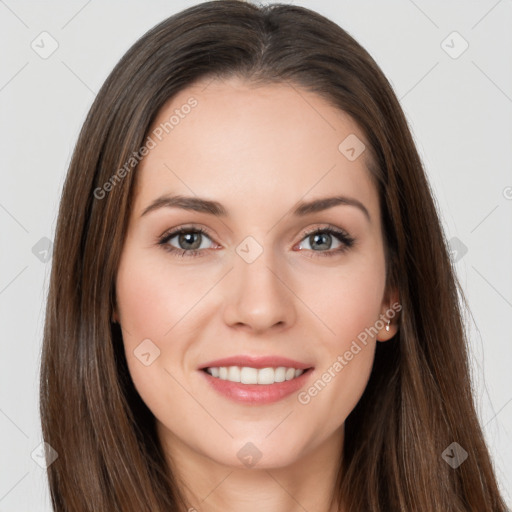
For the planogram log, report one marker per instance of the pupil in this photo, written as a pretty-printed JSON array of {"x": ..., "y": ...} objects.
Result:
[
  {"x": 185, "y": 238},
  {"x": 317, "y": 237}
]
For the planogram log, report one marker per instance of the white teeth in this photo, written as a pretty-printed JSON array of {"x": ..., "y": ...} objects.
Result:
[
  {"x": 290, "y": 373},
  {"x": 248, "y": 375},
  {"x": 280, "y": 374},
  {"x": 266, "y": 375},
  {"x": 234, "y": 374}
]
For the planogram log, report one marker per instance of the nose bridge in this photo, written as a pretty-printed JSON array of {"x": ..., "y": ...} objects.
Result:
[{"x": 257, "y": 295}]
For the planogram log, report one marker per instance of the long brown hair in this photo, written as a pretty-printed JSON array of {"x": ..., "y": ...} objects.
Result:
[{"x": 418, "y": 399}]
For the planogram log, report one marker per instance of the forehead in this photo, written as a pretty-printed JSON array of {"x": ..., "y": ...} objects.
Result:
[{"x": 254, "y": 146}]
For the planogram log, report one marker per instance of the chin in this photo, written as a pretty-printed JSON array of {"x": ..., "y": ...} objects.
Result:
[{"x": 258, "y": 453}]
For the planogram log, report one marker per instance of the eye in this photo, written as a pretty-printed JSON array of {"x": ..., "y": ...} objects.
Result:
[
  {"x": 322, "y": 238},
  {"x": 188, "y": 239}
]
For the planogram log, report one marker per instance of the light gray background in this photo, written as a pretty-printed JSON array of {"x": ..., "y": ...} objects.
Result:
[{"x": 459, "y": 109}]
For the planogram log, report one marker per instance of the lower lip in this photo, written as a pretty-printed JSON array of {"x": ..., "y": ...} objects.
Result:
[{"x": 257, "y": 393}]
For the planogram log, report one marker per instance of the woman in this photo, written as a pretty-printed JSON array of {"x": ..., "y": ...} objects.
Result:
[{"x": 255, "y": 369}]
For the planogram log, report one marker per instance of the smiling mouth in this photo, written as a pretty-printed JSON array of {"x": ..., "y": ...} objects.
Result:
[{"x": 249, "y": 375}]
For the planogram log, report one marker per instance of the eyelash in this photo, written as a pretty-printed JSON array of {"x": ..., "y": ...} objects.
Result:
[{"x": 346, "y": 240}]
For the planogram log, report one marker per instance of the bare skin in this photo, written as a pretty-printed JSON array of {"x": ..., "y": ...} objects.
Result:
[{"x": 258, "y": 151}]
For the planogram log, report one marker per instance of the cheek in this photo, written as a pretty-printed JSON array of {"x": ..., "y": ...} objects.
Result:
[
  {"x": 149, "y": 305},
  {"x": 350, "y": 307},
  {"x": 349, "y": 300},
  {"x": 153, "y": 295},
  {"x": 161, "y": 302}
]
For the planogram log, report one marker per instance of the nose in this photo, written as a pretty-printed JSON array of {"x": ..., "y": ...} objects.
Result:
[{"x": 258, "y": 296}]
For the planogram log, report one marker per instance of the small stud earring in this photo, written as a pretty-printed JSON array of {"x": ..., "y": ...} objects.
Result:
[{"x": 387, "y": 326}]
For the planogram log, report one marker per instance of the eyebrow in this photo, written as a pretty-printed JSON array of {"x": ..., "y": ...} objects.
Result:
[{"x": 210, "y": 207}]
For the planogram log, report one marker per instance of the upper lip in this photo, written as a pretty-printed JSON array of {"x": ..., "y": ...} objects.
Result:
[{"x": 256, "y": 362}]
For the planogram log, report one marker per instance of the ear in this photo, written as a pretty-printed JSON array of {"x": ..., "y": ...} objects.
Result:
[
  {"x": 390, "y": 311},
  {"x": 115, "y": 318}
]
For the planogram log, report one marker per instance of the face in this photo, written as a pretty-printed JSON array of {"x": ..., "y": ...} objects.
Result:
[{"x": 255, "y": 275}]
